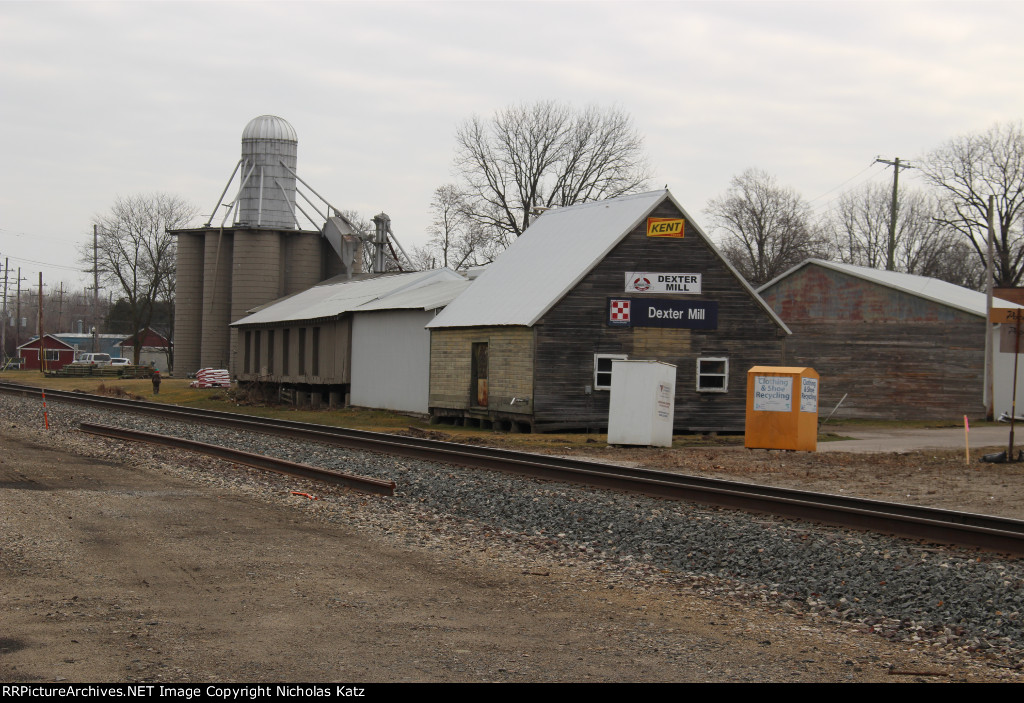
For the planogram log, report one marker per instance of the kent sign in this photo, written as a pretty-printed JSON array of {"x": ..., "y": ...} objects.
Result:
[
  {"x": 660, "y": 312},
  {"x": 665, "y": 227}
]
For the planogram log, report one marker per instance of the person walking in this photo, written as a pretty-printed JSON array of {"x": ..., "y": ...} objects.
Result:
[{"x": 156, "y": 381}]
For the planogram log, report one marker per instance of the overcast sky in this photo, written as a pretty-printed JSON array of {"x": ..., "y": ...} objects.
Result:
[{"x": 99, "y": 100}]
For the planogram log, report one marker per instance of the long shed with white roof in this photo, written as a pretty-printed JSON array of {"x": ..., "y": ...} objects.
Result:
[
  {"x": 531, "y": 343},
  {"x": 898, "y": 346},
  {"x": 363, "y": 338}
]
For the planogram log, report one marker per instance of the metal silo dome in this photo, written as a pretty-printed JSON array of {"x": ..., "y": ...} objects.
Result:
[
  {"x": 269, "y": 155},
  {"x": 269, "y": 127}
]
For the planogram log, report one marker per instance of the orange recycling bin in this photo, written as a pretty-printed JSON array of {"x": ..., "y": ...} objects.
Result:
[{"x": 782, "y": 408}]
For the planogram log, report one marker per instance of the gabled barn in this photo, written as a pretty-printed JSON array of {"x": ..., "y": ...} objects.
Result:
[
  {"x": 155, "y": 352},
  {"x": 530, "y": 344},
  {"x": 898, "y": 346},
  {"x": 49, "y": 354}
]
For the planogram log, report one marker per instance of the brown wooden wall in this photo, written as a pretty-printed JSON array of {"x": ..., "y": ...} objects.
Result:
[
  {"x": 897, "y": 356},
  {"x": 333, "y": 353},
  {"x": 576, "y": 328}
]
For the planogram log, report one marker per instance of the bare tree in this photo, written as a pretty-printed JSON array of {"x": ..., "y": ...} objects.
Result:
[
  {"x": 968, "y": 169},
  {"x": 858, "y": 228},
  {"x": 457, "y": 240},
  {"x": 135, "y": 253},
  {"x": 766, "y": 228},
  {"x": 545, "y": 155}
]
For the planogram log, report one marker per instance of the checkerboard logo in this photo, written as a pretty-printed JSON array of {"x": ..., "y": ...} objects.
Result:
[{"x": 619, "y": 311}]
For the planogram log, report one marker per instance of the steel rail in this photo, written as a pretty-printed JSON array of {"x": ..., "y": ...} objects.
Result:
[
  {"x": 933, "y": 524},
  {"x": 259, "y": 461}
]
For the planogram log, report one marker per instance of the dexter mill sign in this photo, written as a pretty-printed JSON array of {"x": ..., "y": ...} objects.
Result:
[{"x": 644, "y": 282}]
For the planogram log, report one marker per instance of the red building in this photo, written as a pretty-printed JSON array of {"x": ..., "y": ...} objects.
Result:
[
  {"x": 156, "y": 349},
  {"x": 57, "y": 354}
]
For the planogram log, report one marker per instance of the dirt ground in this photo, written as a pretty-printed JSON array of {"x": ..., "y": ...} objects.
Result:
[{"x": 136, "y": 572}]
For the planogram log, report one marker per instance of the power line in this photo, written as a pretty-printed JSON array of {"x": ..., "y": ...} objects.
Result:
[
  {"x": 822, "y": 207},
  {"x": 47, "y": 263},
  {"x": 843, "y": 183}
]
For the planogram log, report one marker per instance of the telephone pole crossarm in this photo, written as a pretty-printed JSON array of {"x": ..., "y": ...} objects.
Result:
[{"x": 890, "y": 262}]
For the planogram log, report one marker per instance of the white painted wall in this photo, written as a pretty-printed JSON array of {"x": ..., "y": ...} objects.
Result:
[{"x": 391, "y": 360}]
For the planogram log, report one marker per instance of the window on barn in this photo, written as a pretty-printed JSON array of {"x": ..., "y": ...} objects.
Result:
[
  {"x": 285, "y": 350},
  {"x": 603, "y": 370},
  {"x": 316, "y": 351},
  {"x": 713, "y": 374},
  {"x": 51, "y": 354},
  {"x": 270, "y": 352}
]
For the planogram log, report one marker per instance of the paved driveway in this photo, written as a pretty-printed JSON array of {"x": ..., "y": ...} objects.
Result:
[{"x": 883, "y": 440}]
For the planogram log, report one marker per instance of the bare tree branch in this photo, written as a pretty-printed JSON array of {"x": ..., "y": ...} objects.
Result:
[
  {"x": 858, "y": 228},
  {"x": 545, "y": 154},
  {"x": 135, "y": 254},
  {"x": 966, "y": 171},
  {"x": 766, "y": 228}
]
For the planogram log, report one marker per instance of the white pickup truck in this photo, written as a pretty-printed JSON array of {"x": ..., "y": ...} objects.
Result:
[{"x": 92, "y": 360}]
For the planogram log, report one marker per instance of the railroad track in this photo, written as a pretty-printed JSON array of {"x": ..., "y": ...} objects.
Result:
[{"x": 931, "y": 524}]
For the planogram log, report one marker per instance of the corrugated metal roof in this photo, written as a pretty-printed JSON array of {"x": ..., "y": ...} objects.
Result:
[
  {"x": 552, "y": 256},
  {"x": 333, "y": 299},
  {"x": 429, "y": 297},
  {"x": 547, "y": 260},
  {"x": 942, "y": 292}
]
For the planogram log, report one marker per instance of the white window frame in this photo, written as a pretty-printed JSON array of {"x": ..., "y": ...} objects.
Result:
[
  {"x": 613, "y": 357},
  {"x": 701, "y": 374},
  {"x": 54, "y": 352}
]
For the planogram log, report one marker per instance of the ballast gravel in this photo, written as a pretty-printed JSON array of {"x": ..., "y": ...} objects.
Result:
[{"x": 957, "y": 603}]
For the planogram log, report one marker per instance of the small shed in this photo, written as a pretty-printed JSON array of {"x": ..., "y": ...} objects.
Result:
[
  {"x": 50, "y": 354},
  {"x": 156, "y": 349},
  {"x": 362, "y": 336},
  {"x": 898, "y": 346},
  {"x": 531, "y": 343}
]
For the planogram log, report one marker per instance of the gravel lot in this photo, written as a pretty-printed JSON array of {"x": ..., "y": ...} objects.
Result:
[{"x": 686, "y": 592}]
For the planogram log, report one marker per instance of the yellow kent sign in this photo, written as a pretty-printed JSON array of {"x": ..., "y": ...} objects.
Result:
[{"x": 664, "y": 227}]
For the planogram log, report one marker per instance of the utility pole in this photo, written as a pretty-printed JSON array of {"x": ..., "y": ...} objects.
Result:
[
  {"x": 60, "y": 307},
  {"x": 95, "y": 288},
  {"x": 39, "y": 327},
  {"x": 989, "y": 394},
  {"x": 3, "y": 327},
  {"x": 17, "y": 320},
  {"x": 890, "y": 262}
]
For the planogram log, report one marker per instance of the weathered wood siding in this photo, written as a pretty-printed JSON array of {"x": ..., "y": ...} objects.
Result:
[
  {"x": 332, "y": 354},
  {"x": 896, "y": 356},
  {"x": 576, "y": 328},
  {"x": 510, "y": 368}
]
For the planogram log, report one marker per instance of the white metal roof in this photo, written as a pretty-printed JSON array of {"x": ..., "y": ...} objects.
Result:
[
  {"x": 942, "y": 292},
  {"x": 547, "y": 260},
  {"x": 333, "y": 299},
  {"x": 552, "y": 256},
  {"x": 429, "y": 297}
]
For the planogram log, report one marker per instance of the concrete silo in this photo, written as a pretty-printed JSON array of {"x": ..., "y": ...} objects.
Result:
[{"x": 257, "y": 253}]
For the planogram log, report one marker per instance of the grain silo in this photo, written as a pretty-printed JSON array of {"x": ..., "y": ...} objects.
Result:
[{"x": 267, "y": 245}]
